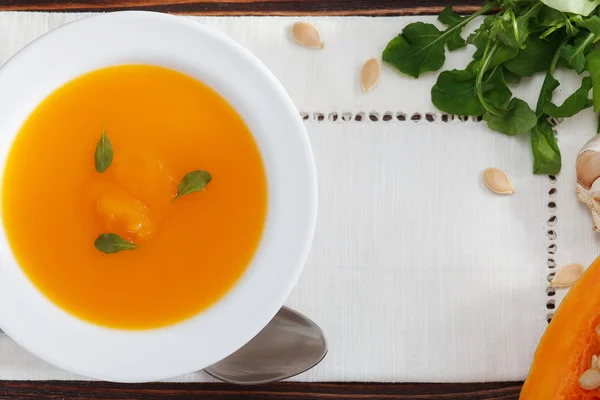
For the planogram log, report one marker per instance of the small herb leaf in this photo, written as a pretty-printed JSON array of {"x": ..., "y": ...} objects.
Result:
[
  {"x": 193, "y": 182},
  {"x": 110, "y": 243},
  {"x": 104, "y": 153}
]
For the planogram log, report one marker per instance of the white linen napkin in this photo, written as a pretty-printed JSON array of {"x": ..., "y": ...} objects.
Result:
[{"x": 417, "y": 272}]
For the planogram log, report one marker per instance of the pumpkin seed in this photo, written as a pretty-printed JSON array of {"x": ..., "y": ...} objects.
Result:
[
  {"x": 370, "y": 74},
  {"x": 497, "y": 181},
  {"x": 590, "y": 379},
  {"x": 567, "y": 275},
  {"x": 307, "y": 35}
]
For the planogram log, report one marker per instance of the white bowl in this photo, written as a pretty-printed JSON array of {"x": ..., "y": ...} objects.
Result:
[{"x": 59, "y": 338}]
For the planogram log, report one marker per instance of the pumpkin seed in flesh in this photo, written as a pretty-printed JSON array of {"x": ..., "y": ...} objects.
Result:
[{"x": 590, "y": 379}]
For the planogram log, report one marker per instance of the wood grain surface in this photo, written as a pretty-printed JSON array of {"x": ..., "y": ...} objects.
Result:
[
  {"x": 250, "y": 7},
  {"x": 278, "y": 391},
  {"x": 281, "y": 391}
]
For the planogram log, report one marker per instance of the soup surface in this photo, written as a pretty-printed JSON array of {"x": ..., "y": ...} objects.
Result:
[{"x": 162, "y": 125}]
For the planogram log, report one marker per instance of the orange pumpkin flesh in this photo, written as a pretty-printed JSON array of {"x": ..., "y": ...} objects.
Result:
[{"x": 566, "y": 348}]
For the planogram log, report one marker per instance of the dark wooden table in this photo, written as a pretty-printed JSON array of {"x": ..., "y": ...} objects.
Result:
[{"x": 279, "y": 391}]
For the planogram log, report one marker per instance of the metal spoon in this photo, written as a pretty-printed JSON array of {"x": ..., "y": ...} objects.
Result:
[{"x": 289, "y": 345}]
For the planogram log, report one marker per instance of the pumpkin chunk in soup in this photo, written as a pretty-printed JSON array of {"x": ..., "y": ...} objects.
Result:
[{"x": 162, "y": 124}]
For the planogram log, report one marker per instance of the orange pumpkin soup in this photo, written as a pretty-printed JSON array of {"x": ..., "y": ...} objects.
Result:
[{"x": 162, "y": 125}]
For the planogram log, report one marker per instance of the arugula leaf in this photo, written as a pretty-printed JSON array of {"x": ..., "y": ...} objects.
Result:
[
  {"x": 576, "y": 102},
  {"x": 511, "y": 77},
  {"x": 593, "y": 65},
  {"x": 548, "y": 87},
  {"x": 592, "y": 23},
  {"x": 583, "y": 7},
  {"x": 575, "y": 54},
  {"x": 513, "y": 30},
  {"x": 554, "y": 20},
  {"x": 480, "y": 39},
  {"x": 418, "y": 49},
  {"x": 454, "y": 93},
  {"x": 516, "y": 119},
  {"x": 546, "y": 154},
  {"x": 535, "y": 57},
  {"x": 450, "y": 18},
  {"x": 495, "y": 90},
  {"x": 549, "y": 17}
]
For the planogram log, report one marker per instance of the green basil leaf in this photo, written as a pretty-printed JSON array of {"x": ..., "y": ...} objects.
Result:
[
  {"x": 418, "y": 49},
  {"x": 576, "y": 102},
  {"x": 104, "y": 153},
  {"x": 193, "y": 182},
  {"x": 110, "y": 243},
  {"x": 546, "y": 154},
  {"x": 534, "y": 58},
  {"x": 593, "y": 65},
  {"x": 450, "y": 18},
  {"x": 517, "y": 118}
]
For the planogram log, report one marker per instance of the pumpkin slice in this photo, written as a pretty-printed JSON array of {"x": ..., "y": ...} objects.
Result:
[{"x": 567, "y": 347}]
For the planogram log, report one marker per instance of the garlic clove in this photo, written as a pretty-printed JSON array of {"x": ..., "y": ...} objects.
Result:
[
  {"x": 307, "y": 35},
  {"x": 567, "y": 275},
  {"x": 370, "y": 74},
  {"x": 588, "y": 162},
  {"x": 497, "y": 181},
  {"x": 585, "y": 197},
  {"x": 595, "y": 190},
  {"x": 588, "y": 178}
]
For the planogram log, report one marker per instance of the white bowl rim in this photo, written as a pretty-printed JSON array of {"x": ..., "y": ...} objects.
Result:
[{"x": 59, "y": 338}]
